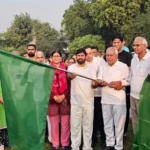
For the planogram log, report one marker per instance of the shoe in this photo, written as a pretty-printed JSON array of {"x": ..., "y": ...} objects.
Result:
[
  {"x": 108, "y": 148},
  {"x": 53, "y": 148},
  {"x": 66, "y": 148}
]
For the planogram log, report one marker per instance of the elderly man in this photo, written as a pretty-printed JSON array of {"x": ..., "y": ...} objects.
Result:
[
  {"x": 140, "y": 67},
  {"x": 98, "y": 124},
  {"x": 113, "y": 77},
  {"x": 39, "y": 56}
]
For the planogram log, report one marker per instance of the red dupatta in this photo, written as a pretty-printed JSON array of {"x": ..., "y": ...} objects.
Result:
[{"x": 59, "y": 84}]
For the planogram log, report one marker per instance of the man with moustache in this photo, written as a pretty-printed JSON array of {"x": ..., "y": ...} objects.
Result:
[
  {"x": 82, "y": 101},
  {"x": 114, "y": 76},
  {"x": 140, "y": 68},
  {"x": 31, "y": 49}
]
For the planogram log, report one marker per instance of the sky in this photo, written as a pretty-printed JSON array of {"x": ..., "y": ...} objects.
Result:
[{"x": 45, "y": 10}]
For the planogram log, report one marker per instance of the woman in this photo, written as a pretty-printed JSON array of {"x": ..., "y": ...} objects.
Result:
[{"x": 59, "y": 106}]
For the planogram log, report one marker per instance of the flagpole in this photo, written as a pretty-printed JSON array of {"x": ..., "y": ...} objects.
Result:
[{"x": 74, "y": 73}]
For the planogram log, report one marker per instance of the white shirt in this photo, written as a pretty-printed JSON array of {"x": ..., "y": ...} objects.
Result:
[
  {"x": 81, "y": 92},
  {"x": 139, "y": 71},
  {"x": 118, "y": 72},
  {"x": 96, "y": 63}
]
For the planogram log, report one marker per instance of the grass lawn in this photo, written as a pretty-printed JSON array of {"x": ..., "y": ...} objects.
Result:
[{"x": 127, "y": 143}]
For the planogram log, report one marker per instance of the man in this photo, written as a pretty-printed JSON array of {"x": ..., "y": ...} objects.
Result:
[
  {"x": 82, "y": 101},
  {"x": 39, "y": 56},
  {"x": 113, "y": 77},
  {"x": 98, "y": 124},
  {"x": 31, "y": 49},
  {"x": 140, "y": 67},
  {"x": 95, "y": 51},
  {"x": 126, "y": 58}
]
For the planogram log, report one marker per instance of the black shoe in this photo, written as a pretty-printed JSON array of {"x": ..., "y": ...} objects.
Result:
[{"x": 108, "y": 148}]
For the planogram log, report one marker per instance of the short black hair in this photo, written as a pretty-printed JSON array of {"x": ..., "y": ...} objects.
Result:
[
  {"x": 56, "y": 52},
  {"x": 94, "y": 47},
  {"x": 81, "y": 50},
  {"x": 31, "y": 45},
  {"x": 87, "y": 46},
  {"x": 120, "y": 37}
]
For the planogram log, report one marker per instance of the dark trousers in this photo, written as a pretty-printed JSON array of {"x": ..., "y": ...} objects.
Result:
[
  {"x": 98, "y": 124},
  {"x": 128, "y": 113}
]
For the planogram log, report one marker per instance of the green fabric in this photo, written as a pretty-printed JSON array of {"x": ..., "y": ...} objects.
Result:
[
  {"x": 2, "y": 117},
  {"x": 142, "y": 135},
  {"x": 26, "y": 87},
  {"x": 2, "y": 113}
]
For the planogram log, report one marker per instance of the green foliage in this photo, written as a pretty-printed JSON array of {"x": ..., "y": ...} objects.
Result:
[
  {"x": 138, "y": 27},
  {"x": 48, "y": 39},
  {"x": 77, "y": 22},
  {"x": 20, "y": 32},
  {"x": 24, "y": 30},
  {"x": 102, "y": 17},
  {"x": 92, "y": 40},
  {"x": 116, "y": 13}
]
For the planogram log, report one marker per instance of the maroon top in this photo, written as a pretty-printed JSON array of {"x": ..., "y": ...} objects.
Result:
[{"x": 62, "y": 108}]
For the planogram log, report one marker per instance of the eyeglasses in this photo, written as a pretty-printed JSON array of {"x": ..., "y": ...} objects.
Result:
[
  {"x": 137, "y": 45},
  {"x": 56, "y": 56}
]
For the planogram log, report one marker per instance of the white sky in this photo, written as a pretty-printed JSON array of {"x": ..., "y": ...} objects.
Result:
[{"x": 45, "y": 10}]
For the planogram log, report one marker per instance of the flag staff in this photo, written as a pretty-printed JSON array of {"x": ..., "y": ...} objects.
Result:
[{"x": 74, "y": 73}]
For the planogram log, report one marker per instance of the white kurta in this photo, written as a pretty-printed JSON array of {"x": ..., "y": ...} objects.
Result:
[
  {"x": 139, "y": 71},
  {"x": 82, "y": 101},
  {"x": 114, "y": 103}
]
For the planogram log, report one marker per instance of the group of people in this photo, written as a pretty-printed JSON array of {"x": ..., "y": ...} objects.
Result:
[{"x": 96, "y": 95}]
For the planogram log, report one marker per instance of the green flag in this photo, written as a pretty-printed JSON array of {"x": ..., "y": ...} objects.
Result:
[
  {"x": 142, "y": 135},
  {"x": 26, "y": 87}
]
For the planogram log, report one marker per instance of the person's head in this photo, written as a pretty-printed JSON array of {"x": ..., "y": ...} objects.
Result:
[
  {"x": 39, "y": 56},
  {"x": 118, "y": 42},
  {"x": 31, "y": 49},
  {"x": 25, "y": 54},
  {"x": 71, "y": 61},
  {"x": 89, "y": 56},
  {"x": 94, "y": 51},
  {"x": 140, "y": 45},
  {"x": 81, "y": 56},
  {"x": 111, "y": 55},
  {"x": 16, "y": 53},
  {"x": 66, "y": 62},
  {"x": 56, "y": 57},
  {"x": 74, "y": 57}
]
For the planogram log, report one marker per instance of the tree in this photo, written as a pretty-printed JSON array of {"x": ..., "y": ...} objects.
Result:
[
  {"x": 25, "y": 30},
  {"x": 48, "y": 38},
  {"x": 93, "y": 40},
  {"x": 77, "y": 22},
  {"x": 111, "y": 15},
  {"x": 20, "y": 32},
  {"x": 139, "y": 27}
]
